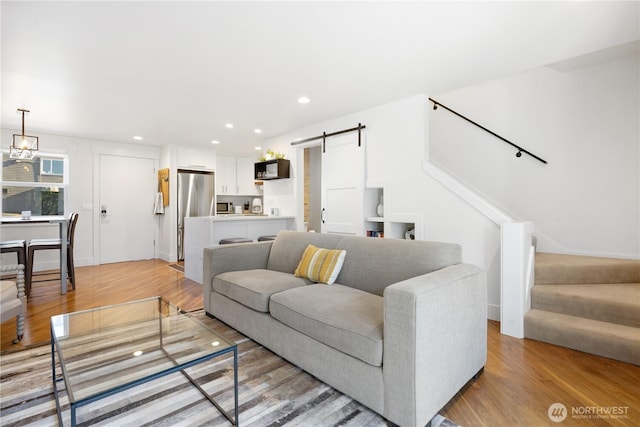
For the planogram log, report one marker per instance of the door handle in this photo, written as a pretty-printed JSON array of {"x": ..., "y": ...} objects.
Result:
[{"x": 322, "y": 216}]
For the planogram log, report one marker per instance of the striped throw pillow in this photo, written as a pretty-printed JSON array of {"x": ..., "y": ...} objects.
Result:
[{"x": 321, "y": 265}]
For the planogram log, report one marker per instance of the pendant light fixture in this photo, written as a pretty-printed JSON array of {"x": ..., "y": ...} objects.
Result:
[{"x": 23, "y": 146}]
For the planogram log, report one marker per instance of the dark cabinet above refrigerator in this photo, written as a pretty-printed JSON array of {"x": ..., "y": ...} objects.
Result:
[{"x": 272, "y": 169}]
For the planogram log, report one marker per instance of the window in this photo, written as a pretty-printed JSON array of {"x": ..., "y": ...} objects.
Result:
[
  {"x": 37, "y": 185},
  {"x": 52, "y": 167}
]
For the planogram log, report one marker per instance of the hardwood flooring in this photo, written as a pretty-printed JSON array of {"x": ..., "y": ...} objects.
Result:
[
  {"x": 521, "y": 380},
  {"x": 99, "y": 286}
]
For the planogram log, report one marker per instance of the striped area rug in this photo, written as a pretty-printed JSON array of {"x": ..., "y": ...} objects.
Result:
[{"x": 272, "y": 392}]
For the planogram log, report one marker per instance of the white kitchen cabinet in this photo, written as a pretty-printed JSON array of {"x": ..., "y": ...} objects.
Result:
[
  {"x": 226, "y": 176},
  {"x": 193, "y": 159},
  {"x": 245, "y": 177},
  {"x": 234, "y": 176}
]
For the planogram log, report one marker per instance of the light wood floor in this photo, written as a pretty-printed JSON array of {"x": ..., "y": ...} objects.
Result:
[
  {"x": 98, "y": 286},
  {"x": 522, "y": 378}
]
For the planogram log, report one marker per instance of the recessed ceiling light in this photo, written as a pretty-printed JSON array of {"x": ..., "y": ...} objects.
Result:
[
  {"x": 258, "y": 148},
  {"x": 303, "y": 100},
  {"x": 215, "y": 141},
  {"x": 257, "y": 130},
  {"x": 137, "y": 138},
  {"x": 229, "y": 125}
]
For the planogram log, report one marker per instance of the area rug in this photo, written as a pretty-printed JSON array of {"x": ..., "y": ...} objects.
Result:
[{"x": 272, "y": 392}]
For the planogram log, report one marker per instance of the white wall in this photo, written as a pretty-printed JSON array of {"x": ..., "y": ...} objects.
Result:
[
  {"x": 584, "y": 123},
  {"x": 82, "y": 194},
  {"x": 395, "y": 141},
  {"x": 83, "y": 197},
  {"x": 586, "y": 200}
]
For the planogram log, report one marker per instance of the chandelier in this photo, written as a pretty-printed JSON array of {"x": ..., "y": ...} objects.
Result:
[{"x": 23, "y": 146}]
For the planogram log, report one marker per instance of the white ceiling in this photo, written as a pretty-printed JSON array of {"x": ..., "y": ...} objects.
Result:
[{"x": 177, "y": 72}]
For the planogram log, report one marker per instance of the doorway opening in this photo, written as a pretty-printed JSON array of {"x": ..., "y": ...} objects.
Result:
[{"x": 313, "y": 188}]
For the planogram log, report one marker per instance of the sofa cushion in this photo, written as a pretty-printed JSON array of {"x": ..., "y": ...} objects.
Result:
[
  {"x": 289, "y": 246},
  {"x": 347, "y": 319},
  {"x": 371, "y": 264},
  {"x": 320, "y": 265},
  {"x": 253, "y": 288}
]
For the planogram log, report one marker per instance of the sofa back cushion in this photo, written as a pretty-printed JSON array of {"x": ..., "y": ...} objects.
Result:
[
  {"x": 288, "y": 247},
  {"x": 370, "y": 264}
]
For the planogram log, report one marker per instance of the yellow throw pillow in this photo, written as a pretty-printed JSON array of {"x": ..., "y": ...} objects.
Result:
[{"x": 320, "y": 265}]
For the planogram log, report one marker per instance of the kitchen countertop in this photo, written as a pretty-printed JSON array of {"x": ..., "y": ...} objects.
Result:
[
  {"x": 205, "y": 231},
  {"x": 240, "y": 217}
]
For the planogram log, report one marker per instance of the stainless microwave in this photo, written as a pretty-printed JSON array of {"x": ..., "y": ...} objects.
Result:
[{"x": 224, "y": 207}]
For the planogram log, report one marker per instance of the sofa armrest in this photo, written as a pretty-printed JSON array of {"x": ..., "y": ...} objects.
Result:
[
  {"x": 236, "y": 257},
  {"x": 435, "y": 340}
]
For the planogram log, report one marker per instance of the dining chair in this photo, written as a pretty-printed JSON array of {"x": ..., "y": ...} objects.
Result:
[
  {"x": 20, "y": 249},
  {"x": 13, "y": 299},
  {"x": 17, "y": 246},
  {"x": 48, "y": 244}
]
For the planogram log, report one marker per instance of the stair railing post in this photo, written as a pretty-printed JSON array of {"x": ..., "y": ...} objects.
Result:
[{"x": 516, "y": 276}]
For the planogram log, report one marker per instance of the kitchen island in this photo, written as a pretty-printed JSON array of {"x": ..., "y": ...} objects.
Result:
[{"x": 205, "y": 231}]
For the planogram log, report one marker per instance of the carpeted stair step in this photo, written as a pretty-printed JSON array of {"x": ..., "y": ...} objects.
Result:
[
  {"x": 606, "y": 339},
  {"x": 611, "y": 302},
  {"x": 570, "y": 269}
]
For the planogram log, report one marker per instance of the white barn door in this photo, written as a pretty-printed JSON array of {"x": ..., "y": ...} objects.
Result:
[{"x": 343, "y": 185}]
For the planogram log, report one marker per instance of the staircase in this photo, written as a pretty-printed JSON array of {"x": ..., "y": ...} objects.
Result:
[{"x": 587, "y": 304}]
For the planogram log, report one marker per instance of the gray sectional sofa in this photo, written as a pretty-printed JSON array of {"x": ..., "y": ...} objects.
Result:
[{"x": 402, "y": 330}]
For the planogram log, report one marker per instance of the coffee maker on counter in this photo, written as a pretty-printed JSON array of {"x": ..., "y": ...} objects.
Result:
[{"x": 256, "y": 206}]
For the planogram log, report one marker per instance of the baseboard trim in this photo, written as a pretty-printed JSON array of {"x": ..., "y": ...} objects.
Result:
[{"x": 493, "y": 312}]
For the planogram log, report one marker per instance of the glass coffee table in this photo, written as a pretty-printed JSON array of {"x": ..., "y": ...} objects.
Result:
[{"x": 107, "y": 350}]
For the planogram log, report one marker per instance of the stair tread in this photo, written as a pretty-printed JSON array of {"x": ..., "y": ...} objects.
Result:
[
  {"x": 551, "y": 258},
  {"x": 615, "y": 303},
  {"x": 561, "y": 268},
  {"x": 578, "y": 322},
  {"x": 620, "y": 342},
  {"x": 587, "y": 303},
  {"x": 627, "y": 293}
]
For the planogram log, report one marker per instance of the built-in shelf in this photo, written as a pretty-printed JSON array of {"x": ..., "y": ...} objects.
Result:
[
  {"x": 388, "y": 226},
  {"x": 272, "y": 169}
]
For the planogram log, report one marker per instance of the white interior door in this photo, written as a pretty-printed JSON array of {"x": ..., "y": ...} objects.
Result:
[
  {"x": 343, "y": 185},
  {"x": 127, "y": 189}
]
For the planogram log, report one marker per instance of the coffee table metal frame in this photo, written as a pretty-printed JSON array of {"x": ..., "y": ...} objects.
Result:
[{"x": 75, "y": 404}]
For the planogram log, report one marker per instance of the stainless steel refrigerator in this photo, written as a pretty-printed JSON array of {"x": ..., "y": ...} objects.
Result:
[{"x": 196, "y": 191}]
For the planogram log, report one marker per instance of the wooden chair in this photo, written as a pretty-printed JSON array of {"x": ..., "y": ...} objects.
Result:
[
  {"x": 48, "y": 244},
  {"x": 17, "y": 246},
  {"x": 13, "y": 300},
  {"x": 20, "y": 249}
]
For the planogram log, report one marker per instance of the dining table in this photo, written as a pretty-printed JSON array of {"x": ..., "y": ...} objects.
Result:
[{"x": 62, "y": 223}]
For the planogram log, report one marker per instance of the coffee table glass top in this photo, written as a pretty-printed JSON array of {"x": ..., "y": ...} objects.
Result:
[{"x": 106, "y": 348}]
